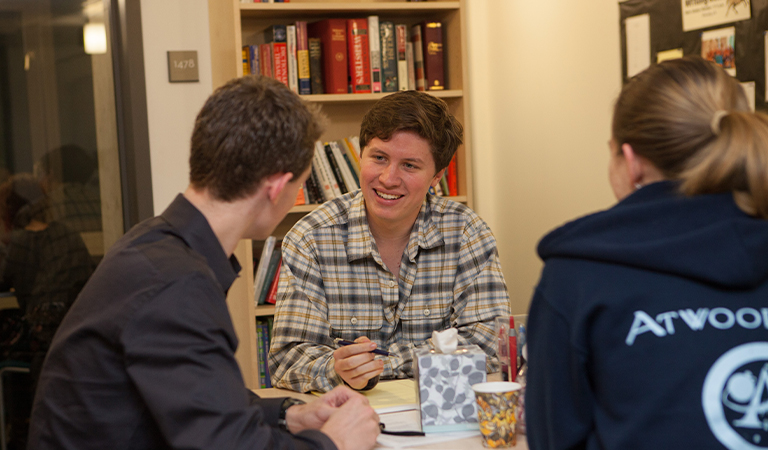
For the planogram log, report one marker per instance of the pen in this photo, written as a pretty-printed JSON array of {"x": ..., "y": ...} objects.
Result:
[
  {"x": 399, "y": 433},
  {"x": 376, "y": 351}
]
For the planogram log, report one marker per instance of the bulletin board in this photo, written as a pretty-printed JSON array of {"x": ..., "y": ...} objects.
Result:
[{"x": 666, "y": 33}]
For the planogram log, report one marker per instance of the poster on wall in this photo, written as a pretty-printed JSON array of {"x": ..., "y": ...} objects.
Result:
[
  {"x": 699, "y": 14},
  {"x": 717, "y": 46}
]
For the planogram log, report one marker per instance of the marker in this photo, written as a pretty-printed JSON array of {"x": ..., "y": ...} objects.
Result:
[{"x": 342, "y": 342}]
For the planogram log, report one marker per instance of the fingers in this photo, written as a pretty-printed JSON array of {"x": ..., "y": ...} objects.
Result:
[
  {"x": 355, "y": 349},
  {"x": 356, "y": 370}
]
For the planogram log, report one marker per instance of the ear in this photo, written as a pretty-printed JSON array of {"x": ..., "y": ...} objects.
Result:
[
  {"x": 634, "y": 165},
  {"x": 437, "y": 177},
  {"x": 275, "y": 184}
]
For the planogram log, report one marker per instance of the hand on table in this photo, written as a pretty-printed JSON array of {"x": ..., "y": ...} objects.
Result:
[{"x": 355, "y": 363}]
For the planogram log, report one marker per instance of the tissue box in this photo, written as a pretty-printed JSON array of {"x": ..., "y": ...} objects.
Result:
[{"x": 444, "y": 387}]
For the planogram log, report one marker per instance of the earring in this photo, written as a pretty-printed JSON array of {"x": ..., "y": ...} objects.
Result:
[{"x": 638, "y": 186}]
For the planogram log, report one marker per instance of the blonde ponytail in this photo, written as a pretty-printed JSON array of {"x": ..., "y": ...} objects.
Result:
[
  {"x": 692, "y": 121},
  {"x": 736, "y": 161}
]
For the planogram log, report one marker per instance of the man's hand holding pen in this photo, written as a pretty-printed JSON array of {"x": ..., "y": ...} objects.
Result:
[{"x": 356, "y": 362}]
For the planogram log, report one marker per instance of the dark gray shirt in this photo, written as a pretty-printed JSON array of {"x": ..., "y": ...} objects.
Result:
[{"x": 145, "y": 357}]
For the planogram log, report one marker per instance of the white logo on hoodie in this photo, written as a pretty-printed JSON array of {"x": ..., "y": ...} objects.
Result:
[{"x": 735, "y": 397}]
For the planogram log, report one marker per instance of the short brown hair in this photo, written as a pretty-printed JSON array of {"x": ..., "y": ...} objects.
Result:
[
  {"x": 692, "y": 121},
  {"x": 420, "y": 113},
  {"x": 248, "y": 129}
]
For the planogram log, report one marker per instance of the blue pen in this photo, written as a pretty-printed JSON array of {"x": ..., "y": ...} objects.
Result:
[{"x": 339, "y": 341}]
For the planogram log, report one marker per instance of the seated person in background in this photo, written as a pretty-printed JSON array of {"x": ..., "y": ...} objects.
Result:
[
  {"x": 145, "y": 359},
  {"x": 649, "y": 326},
  {"x": 70, "y": 177},
  {"x": 388, "y": 264},
  {"x": 46, "y": 265}
]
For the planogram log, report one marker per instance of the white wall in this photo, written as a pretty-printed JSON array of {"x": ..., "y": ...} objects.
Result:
[
  {"x": 169, "y": 25},
  {"x": 544, "y": 75}
]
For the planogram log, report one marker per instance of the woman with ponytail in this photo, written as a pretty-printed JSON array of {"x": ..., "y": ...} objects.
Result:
[{"x": 649, "y": 326}]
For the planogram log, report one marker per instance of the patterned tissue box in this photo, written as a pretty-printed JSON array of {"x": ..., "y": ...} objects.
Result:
[{"x": 444, "y": 387}]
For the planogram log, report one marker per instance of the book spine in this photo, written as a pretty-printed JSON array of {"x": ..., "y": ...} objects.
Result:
[
  {"x": 261, "y": 355},
  {"x": 401, "y": 37},
  {"x": 316, "y": 66},
  {"x": 265, "y": 58},
  {"x": 253, "y": 51},
  {"x": 411, "y": 71},
  {"x": 323, "y": 173},
  {"x": 246, "y": 60},
  {"x": 335, "y": 169},
  {"x": 302, "y": 58},
  {"x": 265, "y": 341},
  {"x": 451, "y": 175},
  {"x": 348, "y": 153},
  {"x": 418, "y": 57},
  {"x": 374, "y": 43},
  {"x": 272, "y": 293},
  {"x": 333, "y": 37},
  {"x": 317, "y": 185},
  {"x": 434, "y": 74},
  {"x": 359, "y": 56},
  {"x": 273, "y": 260},
  {"x": 349, "y": 180},
  {"x": 261, "y": 269},
  {"x": 293, "y": 76},
  {"x": 444, "y": 185},
  {"x": 354, "y": 151},
  {"x": 388, "y": 57},
  {"x": 301, "y": 198}
]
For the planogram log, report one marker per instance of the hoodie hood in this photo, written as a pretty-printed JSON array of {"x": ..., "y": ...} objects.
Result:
[{"x": 706, "y": 238}]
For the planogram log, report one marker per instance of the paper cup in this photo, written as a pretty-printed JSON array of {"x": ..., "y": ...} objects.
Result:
[{"x": 497, "y": 403}]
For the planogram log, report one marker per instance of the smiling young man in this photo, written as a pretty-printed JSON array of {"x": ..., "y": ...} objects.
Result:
[{"x": 388, "y": 264}]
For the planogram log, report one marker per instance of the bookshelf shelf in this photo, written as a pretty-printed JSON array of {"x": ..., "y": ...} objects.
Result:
[
  {"x": 344, "y": 98},
  {"x": 265, "y": 310},
  {"x": 234, "y": 24},
  {"x": 328, "y": 9}
]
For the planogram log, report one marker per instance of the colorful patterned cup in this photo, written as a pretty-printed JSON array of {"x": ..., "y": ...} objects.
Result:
[{"x": 497, "y": 402}]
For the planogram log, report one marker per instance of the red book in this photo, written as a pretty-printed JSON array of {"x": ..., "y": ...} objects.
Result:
[
  {"x": 432, "y": 38},
  {"x": 272, "y": 294},
  {"x": 302, "y": 57},
  {"x": 359, "y": 56},
  {"x": 333, "y": 39},
  {"x": 452, "y": 178},
  {"x": 278, "y": 38},
  {"x": 265, "y": 59}
]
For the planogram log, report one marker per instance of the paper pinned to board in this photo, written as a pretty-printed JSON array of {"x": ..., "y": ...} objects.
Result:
[{"x": 638, "y": 32}]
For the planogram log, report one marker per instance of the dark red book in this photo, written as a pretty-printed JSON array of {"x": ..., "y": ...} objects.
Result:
[
  {"x": 359, "y": 56},
  {"x": 451, "y": 177},
  {"x": 265, "y": 60},
  {"x": 432, "y": 41},
  {"x": 333, "y": 39},
  {"x": 276, "y": 35},
  {"x": 418, "y": 57}
]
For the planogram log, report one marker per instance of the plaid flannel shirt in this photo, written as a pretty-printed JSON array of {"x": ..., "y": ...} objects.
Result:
[{"x": 334, "y": 284}]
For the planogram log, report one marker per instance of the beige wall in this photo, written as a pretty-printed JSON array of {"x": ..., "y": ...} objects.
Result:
[
  {"x": 543, "y": 76},
  {"x": 169, "y": 25}
]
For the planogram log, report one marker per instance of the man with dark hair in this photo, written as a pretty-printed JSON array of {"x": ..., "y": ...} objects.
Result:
[
  {"x": 389, "y": 264},
  {"x": 145, "y": 357}
]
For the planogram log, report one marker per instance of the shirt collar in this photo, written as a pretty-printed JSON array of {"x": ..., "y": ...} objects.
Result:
[
  {"x": 360, "y": 243},
  {"x": 193, "y": 228}
]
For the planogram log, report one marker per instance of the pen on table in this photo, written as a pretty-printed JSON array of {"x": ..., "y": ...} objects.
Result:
[
  {"x": 376, "y": 351},
  {"x": 399, "y": 433}
]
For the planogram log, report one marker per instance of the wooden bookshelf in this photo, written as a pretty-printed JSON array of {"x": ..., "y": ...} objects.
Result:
[{"x": 234, "y": 24}]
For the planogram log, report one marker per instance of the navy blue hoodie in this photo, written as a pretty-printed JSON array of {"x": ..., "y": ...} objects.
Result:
[{"x": 649, "y": 328}]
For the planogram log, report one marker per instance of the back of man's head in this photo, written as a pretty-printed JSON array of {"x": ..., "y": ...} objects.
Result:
[{"x": 248, "y": 129}]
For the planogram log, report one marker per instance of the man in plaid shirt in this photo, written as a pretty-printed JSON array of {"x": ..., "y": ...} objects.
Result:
[{"x": 387, "y": 265}]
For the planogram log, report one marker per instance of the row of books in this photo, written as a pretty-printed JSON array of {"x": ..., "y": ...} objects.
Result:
[
  {"x": 263, "y": 339},
  {"x": 336, "y": 171},
  {"x": 339, "y": 56}
]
